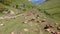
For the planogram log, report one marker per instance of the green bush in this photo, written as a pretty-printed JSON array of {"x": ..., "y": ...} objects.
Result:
[
  {"x": 2, "y": 7},
  {"x": 6, "y": 2}
]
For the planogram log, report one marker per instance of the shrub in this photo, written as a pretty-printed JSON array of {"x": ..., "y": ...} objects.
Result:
[{"x": 6, "y": 2}]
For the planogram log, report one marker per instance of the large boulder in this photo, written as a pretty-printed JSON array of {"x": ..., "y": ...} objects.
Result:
[
  {"x": 12, "y": 12},
  {"x": 7, "y": 11}
]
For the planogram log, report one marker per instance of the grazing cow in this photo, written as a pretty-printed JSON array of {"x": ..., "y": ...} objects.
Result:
[
  {"x": 32, "y": 19},
  {"x": 43, "y": 20},
  {"x": 58, "y": 32},
  {"x": 55, "y": 32},
  {"x": 48, "y": 26},
  {"x": 58, "y": 27}
]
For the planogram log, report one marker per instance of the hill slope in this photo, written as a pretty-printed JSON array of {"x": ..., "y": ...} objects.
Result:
[{"x": 31, "y": 18}]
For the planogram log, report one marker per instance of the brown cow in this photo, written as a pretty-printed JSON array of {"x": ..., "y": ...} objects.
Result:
[
  {"x": 58, "y": 28},
  {"x": 48, "y": 26},
  {"x": 55, "y": 32}
]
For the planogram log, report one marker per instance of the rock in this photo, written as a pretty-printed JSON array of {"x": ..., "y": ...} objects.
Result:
[
  {"x": 5, "y": 11},
  {"x": 1, "y": 18},
  {"x": 56, "y": 23},
  {"x": 25, "y": 29},
  {"x": 11, "y": 12},
  {"x": 26, "y": 21},
  {"x": 48, "y": 30},
  {"x": 12, "y": 32},
  {"x": 1, "y": 24}
]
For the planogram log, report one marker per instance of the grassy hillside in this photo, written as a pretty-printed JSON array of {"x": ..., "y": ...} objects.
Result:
[
  {"x": 48, "y": 10},
  {"x": 52, "y": 7}
]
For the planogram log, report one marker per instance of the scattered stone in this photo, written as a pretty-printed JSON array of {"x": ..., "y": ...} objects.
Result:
[
  {"x": 7, "y": 11},
  {"x": 56, "y": 23},
  {"x": 26, "y": 21},
  {"x": 1, "y": 24},
  {"x": 49, "y": 30},
  {"x": 12, "y": 13},
  {"x": 12, "y": 32},
  {"x": 25, "y": 29},
  {"x": 45, "y": 17},
  {"x": 1, "y": 18}
]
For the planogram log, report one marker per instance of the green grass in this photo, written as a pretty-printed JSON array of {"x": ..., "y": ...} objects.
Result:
[{"x": 51, "y": 7}]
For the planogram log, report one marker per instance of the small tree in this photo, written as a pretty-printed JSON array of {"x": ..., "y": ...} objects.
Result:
[{"x": 6, "y": 2}]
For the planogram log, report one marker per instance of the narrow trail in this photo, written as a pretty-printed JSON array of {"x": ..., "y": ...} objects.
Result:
[{"x": 9, "y": 17}]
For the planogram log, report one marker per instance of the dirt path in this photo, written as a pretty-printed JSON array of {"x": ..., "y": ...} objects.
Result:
[{"x": 9, "y": 17}]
